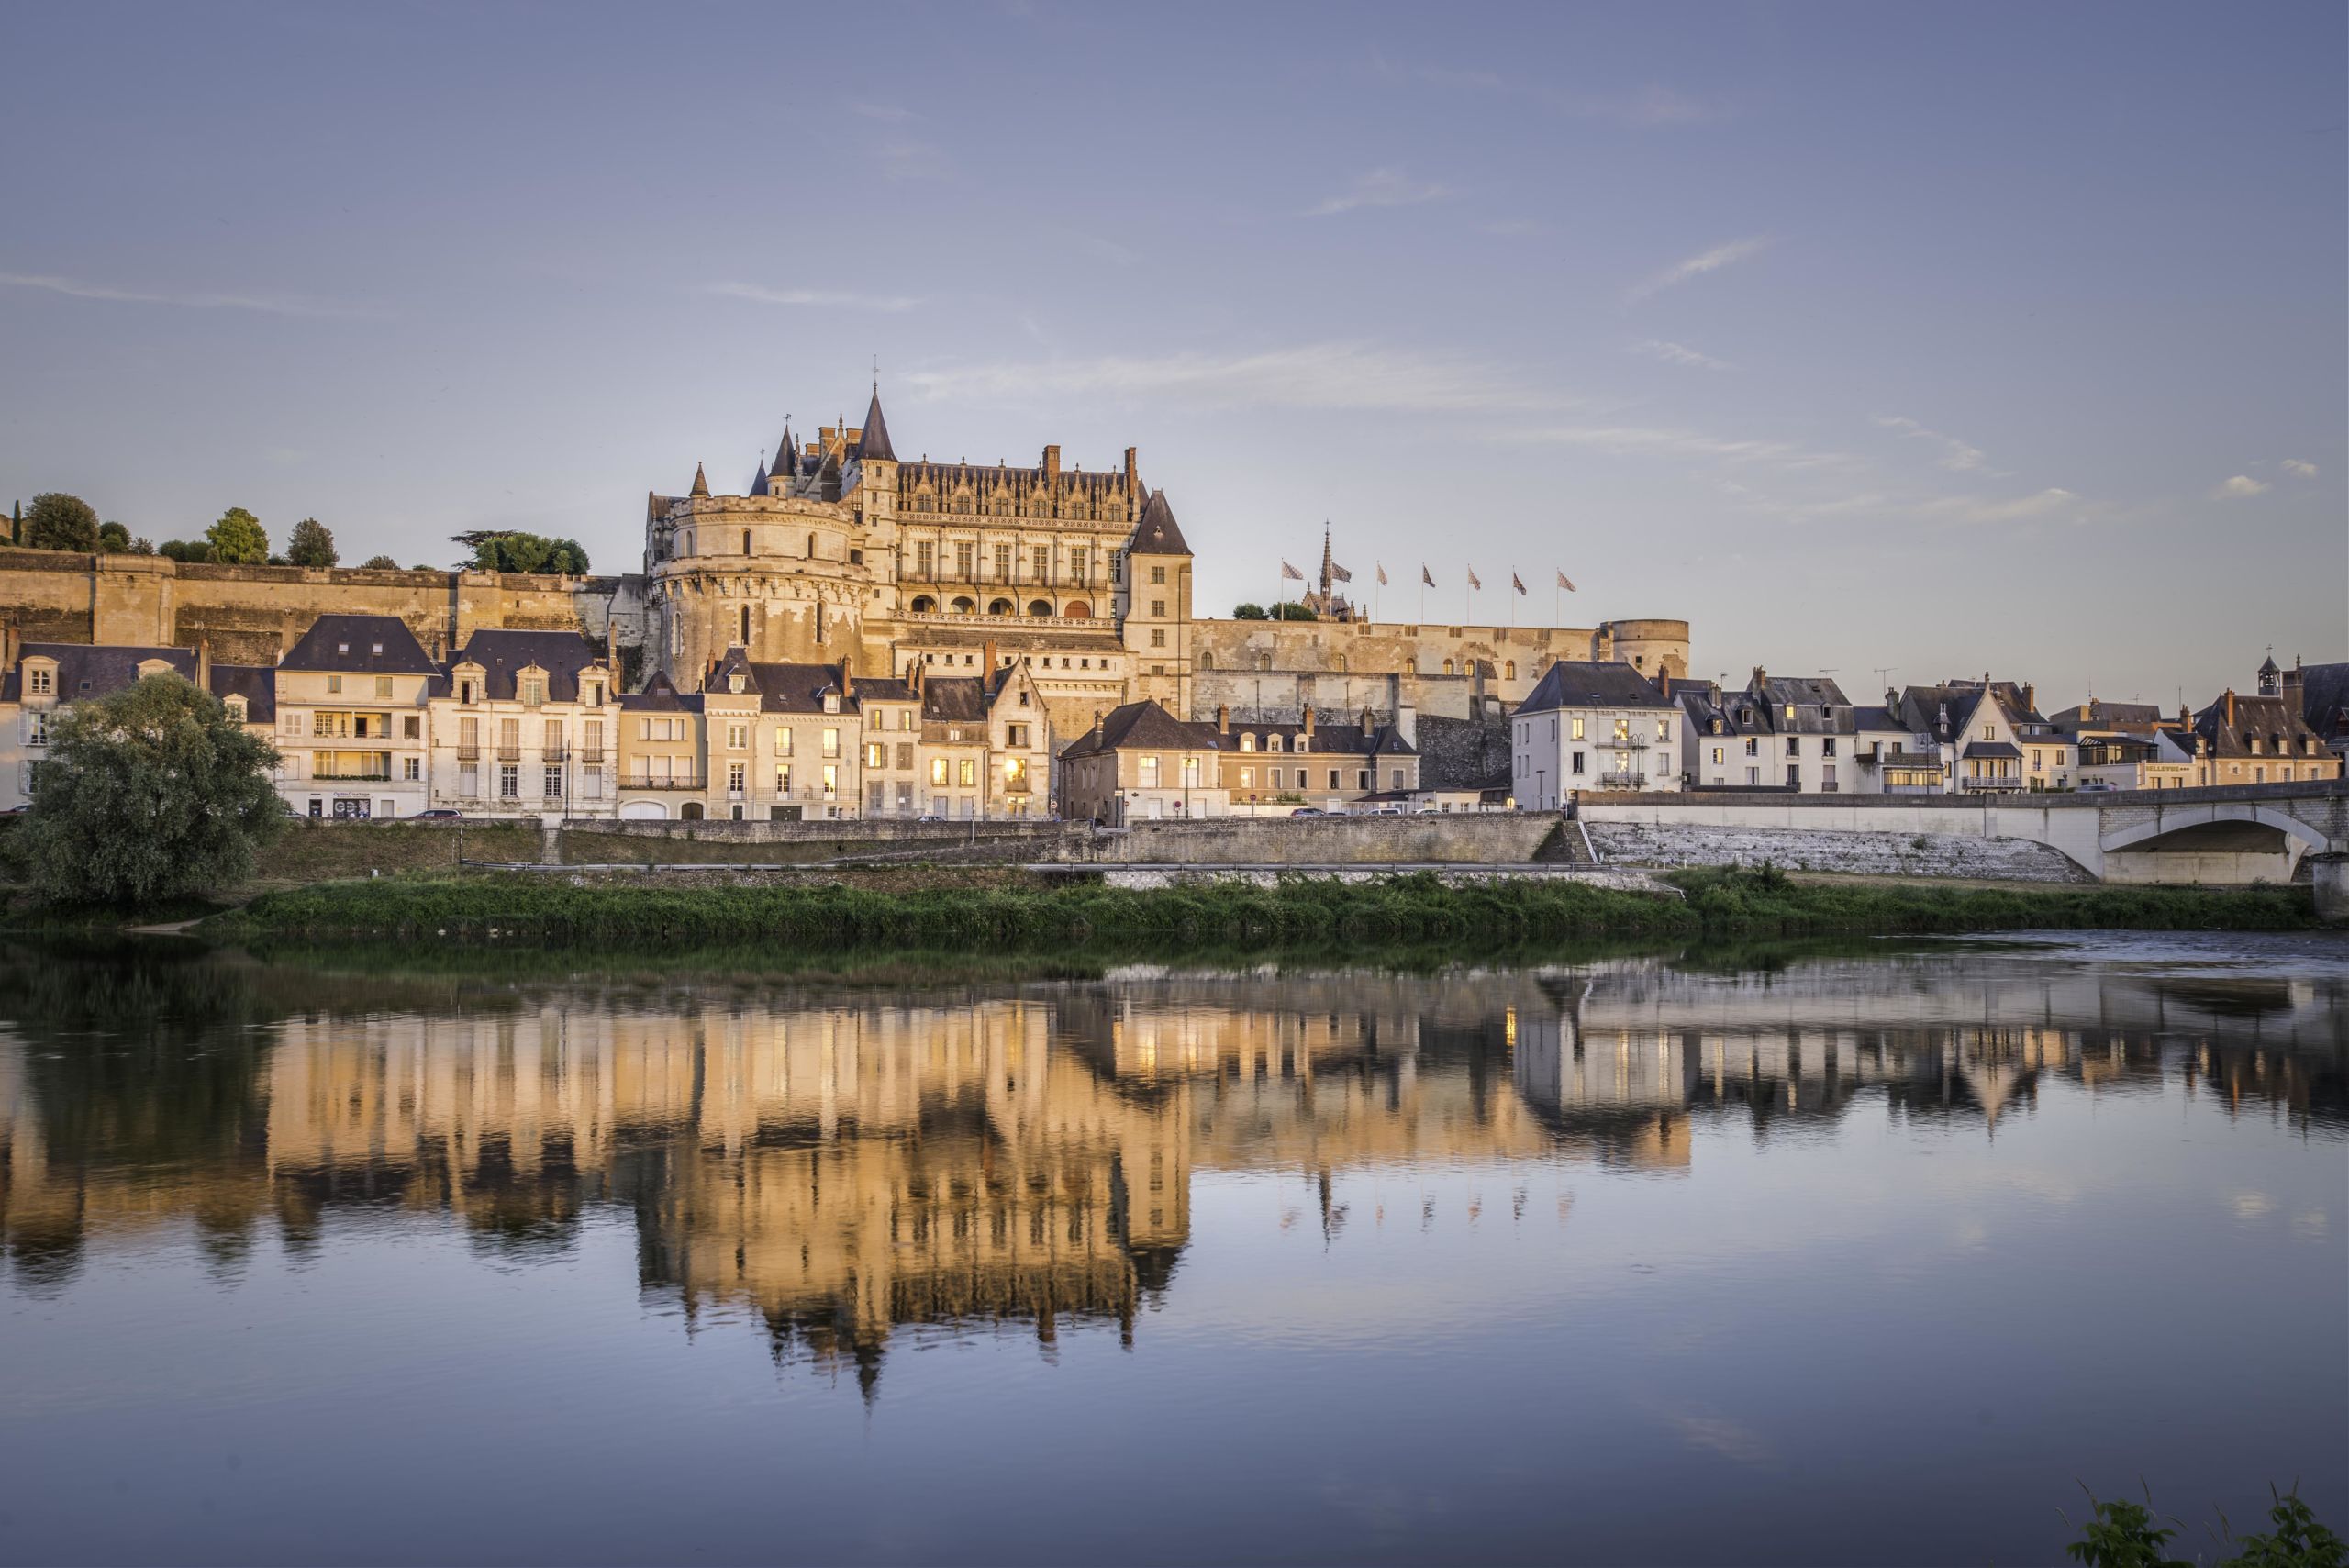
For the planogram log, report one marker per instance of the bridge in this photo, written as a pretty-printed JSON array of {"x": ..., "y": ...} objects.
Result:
[{"x": 2232, "y": 833}]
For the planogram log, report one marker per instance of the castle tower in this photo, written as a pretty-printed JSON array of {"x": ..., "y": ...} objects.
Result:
[{"x": 1155, "y": 599}]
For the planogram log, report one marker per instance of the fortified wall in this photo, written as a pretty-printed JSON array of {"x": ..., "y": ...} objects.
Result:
[{"x": 250, "y": 614}]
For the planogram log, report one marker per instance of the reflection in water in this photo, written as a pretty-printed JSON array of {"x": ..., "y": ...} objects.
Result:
[{"x": 853, "y": 1165}]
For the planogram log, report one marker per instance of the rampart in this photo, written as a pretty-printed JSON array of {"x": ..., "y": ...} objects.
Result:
[{"x": 1429, "y": 839}]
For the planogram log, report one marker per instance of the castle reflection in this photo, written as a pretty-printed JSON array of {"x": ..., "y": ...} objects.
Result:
[{"x": 851, "y": 1165}]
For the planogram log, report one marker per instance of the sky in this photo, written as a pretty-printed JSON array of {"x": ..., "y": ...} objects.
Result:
[{"x": 1895, "y": 342}]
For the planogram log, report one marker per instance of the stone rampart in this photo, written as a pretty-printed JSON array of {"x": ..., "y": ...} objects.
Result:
[
  {"x": 1480, "y": 838},
  {"x": 1861, "y": 855}
]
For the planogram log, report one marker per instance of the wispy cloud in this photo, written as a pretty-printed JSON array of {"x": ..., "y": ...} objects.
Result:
[
  {"x": 1097, "y": 245},
  {"x": 832, "y": 298},
  {"x": 1338, "y": 375},
  {"x": 2299, "y": 470},
  {"x": 1642, "y": 108},
  {"x": 1380, "y": 187},
  {"x": 2241, "y": 487},
  {"x": 887, "y": 114},
  {"x": 1888, "y": 506},
  {"x": 1678, "y": 354},
  {"x": 1696, "y": 266},
  {"x": 909, "y": 160},
  {"x": 266, "y": 304},
  {"x": 1636, "y": 441},
  {"x": 1956, "y": 455}
]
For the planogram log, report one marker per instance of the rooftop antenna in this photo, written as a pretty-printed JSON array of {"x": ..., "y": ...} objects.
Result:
[{"x": 1884, "y": 675}]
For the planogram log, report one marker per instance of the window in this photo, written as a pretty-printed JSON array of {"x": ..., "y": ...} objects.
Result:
[
  {"x": 1575, "y": 763},
  {"x": 831, "y": 742},
  {"x": 831, "y": 779},
  {"x": 963, "y": 549},
  {"x": 1003, "y": 564},
  {"x": 925, "y": 559},
  {"x": 967, "y": 770},
  {"x": 412, "y": 726},
  {"x": 383, "y": 688},
  {"x": 1158, "y": 608},
  {"x": 1623, "y": 730},
  {"x": 1076, "y": 561},
  {"x": 875, "y": 797},
  {"x": 937, "y": 771},
  {"x": 1827, "y": 747},
  {"x": 1717, "y": 754},
  {"x": 509, "y": 782},
  {"x": 334, "y": 686},
  {"x": 1148, "y": 773},
  {"x": 1990, "y": 732},
  {"x": 746, "y": 541},
  {"x": 412, "y": 769},
  {"x": 1158, "y": 638},
  {"x": 783, "y": 778},
  {"x": 745, "y": 638},
  {"x": 1015, "y": 773},
  {"x": 1247, "y": 742},
  {"x": 1793, "y": 745},
  {"x": 905, "y": 756},
  {"x": 1333, "y": 778},
  {"x": 37, "y": 729},
  {"x": 469, "y": 780},
  {"x": 1157, "y": 576},
  {"x": 1753, "y": 747},
  {"x": 1573, "y": 728},
  {"x": 550, "y": 785},
  {"x": 737, "y": 778},
  {"x": 40, "y": 682},
  {"x": 781, "y": 742},
  {"x": 1664, "y": 730},
  {"x": 1511, "y": 668},
  {"x": 1247, "y": 778},
  {"x": 876, "y": 755},
  {"x": 738, "y": 737}
]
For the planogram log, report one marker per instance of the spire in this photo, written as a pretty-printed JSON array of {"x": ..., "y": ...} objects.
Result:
[
  {"x": 875, "y": 440},
  {"x": 1327, "y": 563},
  {"x": 1158, "y": 533},
  {"x": 758, "y": 478},
  {"x": 701, "y": 484},
  {"x": 786, "y": 458}
]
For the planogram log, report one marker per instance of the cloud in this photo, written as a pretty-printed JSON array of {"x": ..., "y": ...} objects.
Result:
[
  {"x": 1678, "y": 354},
  {"x": 888, "y": 113},
  {"x": 910, "y": 160},
  {"x": 832, "y": 298},
  {"x": 1104, "y": 249},
  {"x": 1338, "y": 375},
  {"x": 2299, "y": 470},
  {"x": 1711, "y": 261},
  {"x": 1644, "y": 108},
  {"x": 1884, "y": 505},
  {"x": 266, "y": 304},
  {"x": 1633, "y": 440},
  {"x": 1380, "y": 187},
  {"x": 1956, "y": 455},
  {"x": 2240, "y": 488}
]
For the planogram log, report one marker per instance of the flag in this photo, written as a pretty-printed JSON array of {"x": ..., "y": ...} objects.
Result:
[
  {"x": 1471, "y": 580},
  {"x": 1516, "y": 582},
  {"x": 1382, "y": 575},
  {"x": 1425, "y": 576},
  {"x": 1338, "y": 573},
  {"x": 1565, "y": 581},
  {"x": 1289, "y": 570}
]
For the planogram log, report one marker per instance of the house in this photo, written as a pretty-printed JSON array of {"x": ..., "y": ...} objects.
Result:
[
  {"x": 351, "y": 701},
  {"x": 1889, "y": 758},
  {"x": 1724, "y": 737},
  {"x": 2258, "y": 739},
  {"x": 2120, "y": 760},
  {"x": 40, "y": 685},
  {"x": 1987, "y": 736},
  {"x": 986, "y": 741},
  {"x": 662, "y": 770},
  {"x": 1140, "y": 763},
  {"x": 522, "y": 724},
  {"x": 2324, "y": 691},
  {"x": 1308, "y": 762},
  {"x": 1588, "y": 725}
]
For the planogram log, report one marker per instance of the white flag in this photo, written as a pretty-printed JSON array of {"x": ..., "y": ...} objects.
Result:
[
  {"x": 1382, "y": 575},
  {"x": 1471, "y": 580},
  {"x": 1516, "y": 582},
  {"x": 1338, "y": 573},
  {"x": 1566, "y": 583},
  {"x": 1289, "y": 570}
]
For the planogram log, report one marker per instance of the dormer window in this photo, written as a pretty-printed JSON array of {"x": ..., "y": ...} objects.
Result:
[
  {"x": 235, "y": 710},
  {"x": 1247, "y": 742},
  {"x": 734, "y": 684},
  {"x": 534, "y": 690},
  {"x": 831, "y": 702},
  {"x": 40, "y": 680},
  {"x": 378, "y": 649},
  {"x": 343, "y": 648}
]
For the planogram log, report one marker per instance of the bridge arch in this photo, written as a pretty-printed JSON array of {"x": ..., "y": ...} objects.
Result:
[{"x": 2171, "y": 819}]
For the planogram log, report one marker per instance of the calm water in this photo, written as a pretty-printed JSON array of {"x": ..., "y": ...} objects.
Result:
[{"x": 1685, "y": 1259}]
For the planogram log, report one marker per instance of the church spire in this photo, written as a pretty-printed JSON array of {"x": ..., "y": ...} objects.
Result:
[
  {"x": 701, "y": 484},
  {"x": 1328, "y": 564}
]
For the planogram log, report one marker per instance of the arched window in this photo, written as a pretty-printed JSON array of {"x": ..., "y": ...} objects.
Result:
[
  {"x": 1511, "y": 668},
  {"x": 746, "y": 541},
  {"x": 1039, "y": 607},
  {"x": 1447, "y": 666},
  {"x": 811, "y": 547},
  {"x": 1078, "y": 610},
  {"x": 1207, "y": 662},
  {"x": 690, "y": 811},
  {"x": 964, "y": 604},
  {"x": 923, "y": 605},
  {"x": 999, "y": 607}
]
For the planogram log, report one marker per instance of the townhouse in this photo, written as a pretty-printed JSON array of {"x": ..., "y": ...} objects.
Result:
[
  {"x": 522, "y": 724},
  {"x": 1590, "y": 726},
  {"x": 1307, "y": 762},
  {"x": 2261, "y": 739},
  {"x": 1140, "y": 763},
  {"x": 351, "y": 696},
  {"x": 1988, "y": 737}
]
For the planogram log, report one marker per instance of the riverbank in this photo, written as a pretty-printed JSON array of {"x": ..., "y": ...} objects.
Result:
[{"x": 1406, "y": 910}]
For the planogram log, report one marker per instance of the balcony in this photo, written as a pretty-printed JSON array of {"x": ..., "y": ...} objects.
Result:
[
  {"x": 510, "y": 754},
  {"x": 2015, "y": 785},
  {"x": 980, "y": 618},
  {"x": 384, "y": 777},
  {"x": 671, "y": 781},
  {"x": 1623, "y": 781},
  {"x": 591, "y": 756},
  {"x": 469, "y": 753},
  {"x": 555, "y": 752}
]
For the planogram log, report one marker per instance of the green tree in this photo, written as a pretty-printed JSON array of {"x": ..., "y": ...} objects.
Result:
[
  {"x": 237, "y": 540},
  {"x": 381, "y": 564},
  {"x": 2299, "y": 1542},
  {"x": 59, "y": 521},
  {"x": 495, "y": 552},
  {"x": 1249, "y": 611},
  {"x": 15, "y": 522},
  {"x": 151, "y": 792},
  {"x": 194, "y": 549},
  {"x": 113, "y": 540},
  {"x": 310, "y": 544},
  {"x": 1293, "y": 611},
  {"x": 142, "y": 545}
]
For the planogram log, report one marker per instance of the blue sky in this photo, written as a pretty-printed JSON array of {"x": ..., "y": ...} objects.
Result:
[{"x": 1937, "y": 338}]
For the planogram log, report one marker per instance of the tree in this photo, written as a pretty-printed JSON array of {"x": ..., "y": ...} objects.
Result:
[
  {"x": 237, "y": 540},
  {"x": 495, "y": 552},
  {"x": 151, "y": 792},
  {"x": 113, "y": 540},
  {"x": 1293, "y": 611},
  {"x": 142, "y": 545},
  {"x": 16, "y": 522},
  {"x": 59, "y": 521},
  {"x": 1250, "y": 611},
  {"x": 310, "y": 544},
  {"x": 188, "y": 549},
  {"x": 381, "y": 564}
]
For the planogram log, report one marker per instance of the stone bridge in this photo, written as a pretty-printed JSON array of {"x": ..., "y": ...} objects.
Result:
[{"x": 2233, "y": 833}]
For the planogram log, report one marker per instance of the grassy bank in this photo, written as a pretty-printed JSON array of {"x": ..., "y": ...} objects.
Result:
[{"x": 1408, "y": 910}]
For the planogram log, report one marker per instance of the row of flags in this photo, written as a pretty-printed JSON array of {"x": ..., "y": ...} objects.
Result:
[{"x": 1341, "y": 574}]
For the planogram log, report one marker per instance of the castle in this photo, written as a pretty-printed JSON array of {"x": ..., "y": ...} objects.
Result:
[{"x": 841, "y": 550}]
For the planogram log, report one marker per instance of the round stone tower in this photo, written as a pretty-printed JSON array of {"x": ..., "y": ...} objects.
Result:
[{"x": 1651, "y": 647}]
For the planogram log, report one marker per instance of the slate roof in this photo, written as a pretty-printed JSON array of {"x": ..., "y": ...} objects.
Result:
[
  {"x": 374, "y": 645},
  {"x": 1158, "y": 533},
  {"x": 92, "y": 670},
  {"x": 2003, "y": 750},
  {"x": 1143, "y": 725},
  {"x": 786, "y": 458},
  {"x": 1866, "y": 717},
  {"x": 1329, "y": 740},
  {"x": 873, "y": 441},
  {"x": 503, "y": 655},
  {"x": 1821, "y": 708},
  {"x": 701, "y": 484},
  {"x": 257, "y": 683},
  {"x": 1577, "y": 683},
  {"x": 2324, "y": 699},
  {"x": 954, "y": 699},
  {"x": 1739, "y": 712},
  {"x": 660, "y": 696},
  {"x": 2273, "y": 722},
  {"x": 2098, "y": 714},
  {"x": 1942, "y": 712}
]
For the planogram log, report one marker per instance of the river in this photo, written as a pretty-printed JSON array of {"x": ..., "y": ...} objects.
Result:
[{"x": 1842, "y": 1253}]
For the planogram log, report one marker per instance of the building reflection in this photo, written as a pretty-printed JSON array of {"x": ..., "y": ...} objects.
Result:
[{"x": 851, "y": 1167}]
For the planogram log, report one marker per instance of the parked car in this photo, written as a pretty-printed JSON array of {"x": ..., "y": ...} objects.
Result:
[
  {"x": 1308, "y": 811},
  {"x": 437, "y": 816}
]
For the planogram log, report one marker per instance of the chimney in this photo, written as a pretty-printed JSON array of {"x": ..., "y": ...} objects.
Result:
[
  {"x": 2231, "y": 708},
  {"x": 846, "y": 685},
  {"x": 8, "y": 643},
  {"x": 1407, "y": 721},
  {"x": 1131, "y": 468},
  {"x": 1052, "y": 465},
  {"x": 1222, "y": 718},
  {"x": 2292, "y": 683},
  {"x": 2030, "y": 697},
  {"x": 989, "y": 661},
  {"x": 1308, "y": 721},
  {"x": 1761, "y": 679},
  {"x": 1667, "y": 684}
]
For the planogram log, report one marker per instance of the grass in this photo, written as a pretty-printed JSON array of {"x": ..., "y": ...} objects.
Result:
[{"x": 1399, "y": 911}]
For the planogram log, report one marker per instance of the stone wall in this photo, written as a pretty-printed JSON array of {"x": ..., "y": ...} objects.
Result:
[
  {"x": 1485, "y": 839},
  {"x": 1863, "y": 854},
  {"x": 1462, "y": 753}
]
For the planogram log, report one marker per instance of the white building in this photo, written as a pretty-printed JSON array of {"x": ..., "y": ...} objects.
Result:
[
  {"x": 351, "y": 698},
  {"x": 525, "y": 724},
  {"x": 1590, "y": 726}
]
